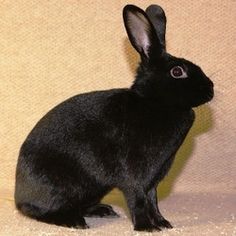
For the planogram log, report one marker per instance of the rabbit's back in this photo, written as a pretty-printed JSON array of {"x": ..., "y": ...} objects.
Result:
[{"x": 70, "y": 116}]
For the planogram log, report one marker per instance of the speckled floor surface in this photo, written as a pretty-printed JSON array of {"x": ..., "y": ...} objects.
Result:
[{"x": 208, "y": 214}]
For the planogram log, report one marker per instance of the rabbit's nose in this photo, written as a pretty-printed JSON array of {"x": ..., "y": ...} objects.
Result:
[
  {"x": 208, "y": 84},
  {"x": 208, "y": 89},
  {"x": 211, "y": 92},
  {"x": 211, "y": 83}
]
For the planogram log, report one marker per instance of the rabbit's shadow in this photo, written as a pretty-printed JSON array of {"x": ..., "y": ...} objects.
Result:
[{"x": 203, "y": 123}]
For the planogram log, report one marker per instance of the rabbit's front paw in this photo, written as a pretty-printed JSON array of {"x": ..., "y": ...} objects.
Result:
[
  {"x": 143, "y": 223},
  {"x": 162, "y": 223}
]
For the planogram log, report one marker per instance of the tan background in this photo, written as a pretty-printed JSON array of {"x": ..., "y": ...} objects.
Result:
[{"x": 51, "y": 50}]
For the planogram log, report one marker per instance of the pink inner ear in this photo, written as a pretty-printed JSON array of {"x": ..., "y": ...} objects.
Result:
[{"x": 140, "y": 29}]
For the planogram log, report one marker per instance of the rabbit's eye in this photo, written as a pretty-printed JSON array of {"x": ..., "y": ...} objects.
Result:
[{"x": 178, "y": 72}]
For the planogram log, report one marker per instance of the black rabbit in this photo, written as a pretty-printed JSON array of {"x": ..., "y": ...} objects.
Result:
[{"x": 123, "y": 138}]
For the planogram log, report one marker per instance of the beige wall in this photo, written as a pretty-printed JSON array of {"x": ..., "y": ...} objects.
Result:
[{"x": 51, "y": 50}]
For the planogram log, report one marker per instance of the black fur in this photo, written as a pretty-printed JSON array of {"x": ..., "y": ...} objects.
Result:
[{"x": 124, "y": 138}]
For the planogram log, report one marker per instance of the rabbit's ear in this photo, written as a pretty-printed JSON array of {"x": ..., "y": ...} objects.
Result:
[
  {"x": 141, "y": 32},
  {"x": 158, "y": 18}
]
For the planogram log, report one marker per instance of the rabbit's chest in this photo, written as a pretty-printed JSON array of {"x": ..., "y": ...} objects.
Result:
[
  {"x": 151, "y": 148},
  {"x": 161, "y": 127},
  {"x": 158, "y": 137}
]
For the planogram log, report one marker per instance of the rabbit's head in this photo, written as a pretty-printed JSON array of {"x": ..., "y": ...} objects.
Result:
[{"x": 171, "y": 81}]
